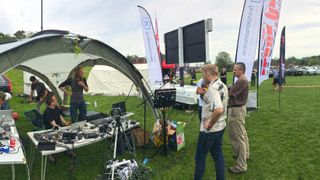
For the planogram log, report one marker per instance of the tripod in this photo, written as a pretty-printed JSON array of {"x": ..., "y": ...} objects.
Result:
[{"x": 119, "y": 129}]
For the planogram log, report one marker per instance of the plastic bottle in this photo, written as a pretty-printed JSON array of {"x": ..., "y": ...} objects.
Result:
[
  {"x": 145, "y": 161},
  {"x": 95, "y": 104}
]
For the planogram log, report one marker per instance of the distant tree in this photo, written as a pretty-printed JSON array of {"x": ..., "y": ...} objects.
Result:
[
  {"x": 130, "y": 57},
  {"x": 313, "y": 61},
  {"x": 223, "y": 60},
  {"x": 5, "y": 38},
  {"x": 21, "y": 34}
]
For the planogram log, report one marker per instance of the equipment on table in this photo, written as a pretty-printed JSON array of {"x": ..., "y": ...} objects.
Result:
[
  {"x": 77, "y": 126},
  {"x": 121, "y": 106},
  {"x": 68, "y": 137},
  {"x": 5, "y": 116},
  {"x": 46, "y": 146},
  {"x": 101, "y": 121}
]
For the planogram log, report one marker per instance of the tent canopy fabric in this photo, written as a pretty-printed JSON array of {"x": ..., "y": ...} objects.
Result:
[
  {"x": 109, "y": 81},
  {"x": 52, "y": 55}
]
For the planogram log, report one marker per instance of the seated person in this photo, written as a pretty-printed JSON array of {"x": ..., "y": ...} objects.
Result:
[
  {"x": 3, "y": 103},
  {"x": 52, "y": 116}
]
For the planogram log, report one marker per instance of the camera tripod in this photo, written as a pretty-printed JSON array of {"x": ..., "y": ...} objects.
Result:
[{"x": 119, "y": 129}]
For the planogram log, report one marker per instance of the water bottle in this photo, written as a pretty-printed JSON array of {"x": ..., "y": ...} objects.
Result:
[
  {"x": 145, "y": 161},
  {"x": 95, "y": 104}
]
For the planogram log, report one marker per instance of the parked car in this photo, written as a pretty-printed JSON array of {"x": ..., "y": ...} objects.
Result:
[
  {"x": 316, "y": 68},
  {"x": 308, "y": 71},
  {"x": 5, "y": 84},
  {"x": 294, "y": 72}
]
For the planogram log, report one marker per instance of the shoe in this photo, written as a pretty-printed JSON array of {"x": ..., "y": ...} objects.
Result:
[{"x": 236, "y": 171}]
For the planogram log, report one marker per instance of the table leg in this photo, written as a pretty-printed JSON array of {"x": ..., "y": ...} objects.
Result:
[
  {"x": 13, "y": 172},
  {"x": 32, "y": 154},
  {"x": 43, "y": 167}
]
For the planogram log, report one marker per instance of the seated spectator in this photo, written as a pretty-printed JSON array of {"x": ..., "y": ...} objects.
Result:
[
  {"x": 4, "y": 105},
  {"x": 53, "y": 115},
  {"x": 53, "y": 119}
]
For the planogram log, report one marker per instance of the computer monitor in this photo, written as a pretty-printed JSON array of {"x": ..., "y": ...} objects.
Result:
[{"x": 121, "y": 106}]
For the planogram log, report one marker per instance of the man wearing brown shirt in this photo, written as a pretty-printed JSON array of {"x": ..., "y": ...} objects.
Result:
[{"x": 238, "y": 95}]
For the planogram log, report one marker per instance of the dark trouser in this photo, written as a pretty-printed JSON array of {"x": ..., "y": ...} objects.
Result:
[
  {"x": 209, "y": 142},
  {"x": 224, "y": 80},
  {"x": 74, "y": 107},
  {"x": 253, "y": 81},
  {"x": 200, "y": 113}
]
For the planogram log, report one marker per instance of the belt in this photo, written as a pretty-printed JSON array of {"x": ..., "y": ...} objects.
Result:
[{"x": 232, "y": 106}]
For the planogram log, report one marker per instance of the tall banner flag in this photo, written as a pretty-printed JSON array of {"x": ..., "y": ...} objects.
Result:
[
  {"x": 249, "y": 34},
  {"x": 157, "y": 38},
  {"x": 282, "y": 59},
  {"x": 269, "y": 27},
  {"x": 150, "y": 44}
]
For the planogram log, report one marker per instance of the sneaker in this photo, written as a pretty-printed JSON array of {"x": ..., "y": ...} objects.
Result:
[{"x": 236, "y": 171}]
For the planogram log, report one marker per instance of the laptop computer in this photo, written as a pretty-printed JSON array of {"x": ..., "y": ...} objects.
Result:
[
  {"x": 5, "y": 116},
  {"x": 121, "y": 106}
]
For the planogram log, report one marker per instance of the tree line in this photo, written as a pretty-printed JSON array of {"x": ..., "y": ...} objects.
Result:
[{"x": 20, "y": 34}]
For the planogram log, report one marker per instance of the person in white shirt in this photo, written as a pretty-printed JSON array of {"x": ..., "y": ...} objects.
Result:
[{"x": 213, "y": 123}]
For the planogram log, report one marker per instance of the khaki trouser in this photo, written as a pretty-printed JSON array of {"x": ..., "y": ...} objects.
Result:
[{"x": 238, "y": 136}]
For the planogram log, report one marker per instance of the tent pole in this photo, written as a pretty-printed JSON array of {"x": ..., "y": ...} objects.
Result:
[{"x": 41, "y": 15}]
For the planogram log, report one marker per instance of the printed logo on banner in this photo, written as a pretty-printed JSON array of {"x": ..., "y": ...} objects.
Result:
[{"x": 146, "y": 23}]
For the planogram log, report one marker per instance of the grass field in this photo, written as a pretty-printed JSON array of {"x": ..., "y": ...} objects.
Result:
[{"x": 284, "y": 144}]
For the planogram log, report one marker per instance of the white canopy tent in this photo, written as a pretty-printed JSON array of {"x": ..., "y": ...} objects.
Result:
[
  {"x": 109, "y": 81},
  {"x": 52, "y": 56}
]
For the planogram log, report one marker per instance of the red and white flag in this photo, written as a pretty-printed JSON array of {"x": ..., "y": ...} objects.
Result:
[
  {"x": 157, "y": 37},
  {"x": 269, "y": 27}
]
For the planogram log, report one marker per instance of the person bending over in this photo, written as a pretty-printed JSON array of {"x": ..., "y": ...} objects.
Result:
[{"x": 41, "y": 90}]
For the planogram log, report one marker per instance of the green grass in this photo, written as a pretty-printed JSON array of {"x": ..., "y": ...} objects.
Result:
[{"x": 284, "y": 144}]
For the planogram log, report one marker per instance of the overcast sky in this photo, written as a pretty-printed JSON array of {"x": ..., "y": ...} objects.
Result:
[{"x": 116, "y": 22}]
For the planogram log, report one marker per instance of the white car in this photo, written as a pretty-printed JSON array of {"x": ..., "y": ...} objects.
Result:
[
  {"x": 310, "y": 71},
  {"x": 316, "y": 68}
]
